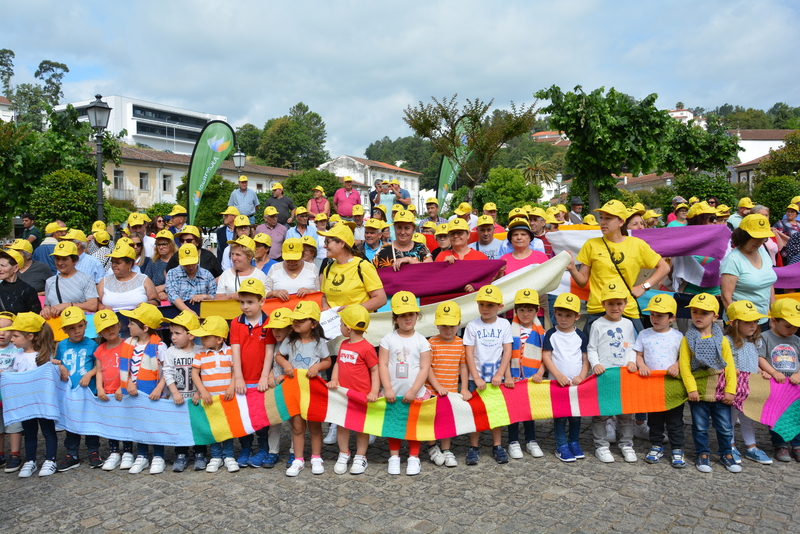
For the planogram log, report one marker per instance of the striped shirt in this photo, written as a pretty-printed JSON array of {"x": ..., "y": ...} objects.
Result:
[
  {"x": 446, "y": 358},
  {"x": 216, "y": 368}
]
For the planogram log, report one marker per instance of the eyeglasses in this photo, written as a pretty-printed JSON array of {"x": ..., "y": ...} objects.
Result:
[
  {"x": 137, "y": 245},
  {"x": 712, "y": 201},
  {"x": 187, "y": 240},
  {"x": 162, "y": 244},
  {"x": 330, "y": 240},
  {"x": 159, "y": 220}
]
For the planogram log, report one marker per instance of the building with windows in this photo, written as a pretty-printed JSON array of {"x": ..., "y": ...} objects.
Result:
[
  {"x": 364, "y": 172},
  {"x": 6, "y": 111},
  {"x": 684, "y": 116},
  {"x": 153, "y": 125}
]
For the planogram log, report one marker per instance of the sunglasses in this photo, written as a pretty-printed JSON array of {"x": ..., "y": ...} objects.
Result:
[
  {"x": 137, "y": 245},
  {"x": 187, "y": 240}
]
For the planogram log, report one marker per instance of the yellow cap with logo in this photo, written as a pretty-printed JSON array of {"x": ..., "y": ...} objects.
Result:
[
  {"x": 490, "y": 206},
  {"x": 21, "y": 244},
  {"x": 442, "y": 229},
  {"x": 292, "y": 249},
  {"x": 212, "y": 326},
  {"x": 457, "y": 225},
  {"x": 244, "y": 241},
  {"x": 358, "y": 209},
  {"x": 463, "y": 208},
  {"x": 613, "y": 291},
  {"x": 186, "y": 319},
  {"x": 253, "y": 286},
  {"x": 662, "y": 303},
  {"x": 757, "y": 226},
  {"x": 590, "y": 220},
  {"x": 404, "y": 302},
  {"x": 26, "y": 322},
  {"x": 787, "y": 309},
  {"x": 241, "y": 220},
  {"x": 489, "y": 293},
  {"x": 269, "y": 211},
  {"x": 230, "y": 210},
  {"x": 145, "y": 313},
  {"x": 306, "y": 309},
  {"x": 103, "y": 319},
  {"x": 263, "y": 239},
  {"x": 177, "y": 211},
  {"x": 448, "y": 313},
  {"x": 279, "y": 318},
  {"x": 704, "y": 301},
  {"x": 309, "y": 240},
  {"x": 72, "y": 315},
  {"x": 404, "y": 216},
  {"x": 54, "y": 227},
  {"x": 526, "y": 296},
  {"x": 746, "y": 203},
  {"x": 342, "y": 232},
  {"x": 744, "y": 310},
  {"x": 188, "y": 255},
  {"x": 615, "y": 208},
  {"x": 485, "y": 219},
  {"x": 568, "y": 301},
  {"x": 356, "y": 317}
]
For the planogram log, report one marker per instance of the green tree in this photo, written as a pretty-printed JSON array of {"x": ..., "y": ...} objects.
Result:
[
  {"x": 505, "y": 187},
  {"x": 31, "y": 102},
  {"x": 249, "y": 138},
  {"x": 6, "y": 69},
  {"x": 690, "y": 148},
  {"x": 159, "y": 209},
  {"x": 299, "y": 186},
  {"x": 537, "y": 171},
  {"x": 214, "y": 201},
  {"x": 449, "y": 127},
  {"x": 294, "y": 139},
  {"x": 416, "y": 153},
  {"x": 786, "y": 160},
  {"x": 748, "y": 119},
  {"x": 609, "y": 133},
  {"x": 69, "y": 195},
  {"x": 679, "y": 105},
  {"x": 701, "y": 186},
  {"x": 775, "y": 192}
]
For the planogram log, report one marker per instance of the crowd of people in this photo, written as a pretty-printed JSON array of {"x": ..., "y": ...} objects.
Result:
[{"x": 120, "y": 284}]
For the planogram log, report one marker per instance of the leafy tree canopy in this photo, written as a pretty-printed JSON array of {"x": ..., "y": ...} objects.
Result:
[
  {"x": 775, "y": 192},
  {"x": 415, "y": 153},
  {"x": 214, "y": 201},
  {"x": 67, "y": 194},
  {"x": 786, "y": 160},
  {"x": 689, "y": 148},
  {"x": 296, "y": 139},
  {"x": 505, "y": 187},
  {"x": 249, "y": 138}
]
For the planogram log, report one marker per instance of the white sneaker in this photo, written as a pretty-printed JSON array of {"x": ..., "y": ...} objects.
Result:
[
  {"x": 604, "y": 455},
  {"x": 359, "y": 465},
  {"x": 412, "y": 466},
  {"x": 394, "y": 465},
  {"x": 231, "y": 465},
  {"x": 213, "y": 465},
  {"x": 436, "y": 455},
  {"x": 372, "y": 439},
  {"x": 450, "y": 459},
  {"x": 514, "y": 450},
  {"x": 534, "y": 449},
  {"x": 127, "y": 461},
  {"x": 629, "y": 454},
  {"x": 112, "y": 462},
  {"x": 340, "y": 467},
  {"x": 140, "y": 464},
  {"x": 331, "y": 438},
  {"x": 296, "y": 467},
  {"x": 641, "y": 431},
  {"x": 28, "y": 468},
  {"x": 611, "y": 430},
  {"x": 48, "y": 468},
  {"x": 157, "y": 466},
  {"x": 317, "y": 466}
]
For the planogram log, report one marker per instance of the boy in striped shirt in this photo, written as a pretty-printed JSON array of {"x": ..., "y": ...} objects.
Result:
[{"x": 212, "y": 374}]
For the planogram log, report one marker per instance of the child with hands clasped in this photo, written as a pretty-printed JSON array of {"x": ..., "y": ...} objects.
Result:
[
  {"x": 356, "y": 369},
  {"x": 564, "y": 355},
  {"x": 778, "y": 359},
  {"x": 305, "y": 348},
  {"x": 488, "y": 342},
  {"x": 8, "y": 352},
  {"x": 405, "y": 359},
  {"x": 657, "y": 349},
  {"x": 704, "y": 348}
]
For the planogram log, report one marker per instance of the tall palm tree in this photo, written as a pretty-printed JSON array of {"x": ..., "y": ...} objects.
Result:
[{"x": 537, "y": 171}]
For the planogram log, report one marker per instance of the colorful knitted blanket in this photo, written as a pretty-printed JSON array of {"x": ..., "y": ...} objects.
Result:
[{"x": 40, "y": 393}]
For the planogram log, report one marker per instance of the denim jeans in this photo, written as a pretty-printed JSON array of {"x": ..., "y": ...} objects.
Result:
[
  {"x": 720, "y": 416},
  {"x": 530, "y": 431},
  {"x": 73, "y": 441},
  {"x": 222, "y": 450},
  {"x": 142, "y": 449},
  {"x": 560, "y": 430},
  {"x": 31, "y": 431},
  {"x": 247, "y": 441},
  {"x": 778, "y": 441}
]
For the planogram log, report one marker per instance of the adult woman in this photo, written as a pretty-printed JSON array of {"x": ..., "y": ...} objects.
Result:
[
  {"x": 141, "y": 261},
  {"x": 379, "y": 212},
  {"x": 318, "y": 203},
  {"x": 293, "y": 275},
  {"x": 263, "y": 244},
  {"x": 70, "y": 287},
  {"x": 403, "y": 249},
  {"x": 243, "y": 250},
  {"x": 124, "y": 289},
  {"x": 747, "y": 272},
  {"x": 33, "y": 273},
  {"x": 156, "y": 226},
  {"x": 634, "y": 220},
  {"x": 458, "y": 232},
  {"x": 650, "y": 219},
  {"x": 700, "y": 214},
  {"x": 681, "y": 211},
  {"x": 615, "y": 258},
  {"x": 241, "y": 227},
  {"x": 310, "y": 251},
  {"x": 520, "y": 236},
  {"x": 777, "y": 242},
  {"x": 349, "y": 279},
  {"x": 157, "y": 269},
  {"x": 789, "y": 226},
  {"x": 321, "y": 224},
  {"x": 15, "y": 295}
]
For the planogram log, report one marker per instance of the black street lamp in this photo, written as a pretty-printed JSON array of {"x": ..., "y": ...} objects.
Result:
[
  {"x": 239, "y": 161},
  {"x": 98, "y": 113}
]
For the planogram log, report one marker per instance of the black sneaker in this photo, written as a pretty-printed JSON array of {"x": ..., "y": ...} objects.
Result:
[
  {"x": 67, "y": 463},
  {"x": 500, "y": 454},
  {"x": 14, "y": 463},
  {"x": 200, "y": 462},
  {"x": 180, "y": 463},
  {"x": 2, "y": 460},
  {"x": 94, "y": 460}
]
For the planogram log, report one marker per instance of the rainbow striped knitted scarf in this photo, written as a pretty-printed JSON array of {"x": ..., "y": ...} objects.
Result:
[{"x": 526, "y": 359}]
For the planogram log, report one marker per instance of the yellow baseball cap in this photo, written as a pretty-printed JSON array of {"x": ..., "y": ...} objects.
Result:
[
  {"x": 375, "y": 224},
  {"x": 448, "y": 313},
  {"x": 292, "y": 249},
  {"x": 347, "y": 179},
  {"x": 591, "y": 220},
  {"x": 394, "y": 181},
  {"x": 412, "y": 208},
  {"x": 103, "y": 319},
  {"x": 746, "y": 203},
  {"x": 358, "y": 209},
  {"x": 457, "y": 225},
  {"x": 318, "y": 188},
  {"x": 21, "y": 244},
  {"x": 241, "y": 220},
  {"x": 277, "y": 185},
  {"x": 102, "y": 237},
  {"x": 419, "y": 238},
  {"x": 398, "y": 207},
  {"x": 490, "y": 293},
  {"x": 300, "y": 211},
  {"x": 26, "y": 322},
  {"x": 649, "y": 214},
  {"x": 279, "y": 318},
  {"x": 526, "y": 296},
  {"x": 72, "y": 315},
  {"x": 757, "y": 226},
  {"x": 189, "y": 229},
  {"x": 442, "y": 229},
  {"x": 404, "y": 217},
  {"x": 253, "y": 286},
  {"x": 613, "y": 291},
  {"x": 121, "y": 250},
  {"x": 663, "y": 303},
  {"x": 632, "y": 212},
  {"x": 744, "y": 310},
  {"x": 490, "y": 206},
  {"x": 65, "y": 248},
  {"x": 126, "y": 240},
  {"x": 723, "y": 210},
  {"x": 135, "y": 219},
  {"x": 431, "y": 200},
  {"x": 308, "y": 240},
  {"x": 568, "y": 301},
  {"x": 355, "y": 316},
  {"x": 519, "y": 223},
  {"x": 305, "y": 309},
  {"x": 615, "y": 208},
  {"x": 704, "y": 301},
  {"x": 549, "y": 218},
  {"x": 463, "y": 208},
  {"x": 177, "y": 211},
  {"x": 74, "y": 234},
  {"x": 188, "y": 255},
  {"x": 404, "y": 302},
  {"x": 788, "y": 309},
  {"x": 270, "y": 210},
  {"x": 186, "y": 319},
  {"x": 145, "y": 313},
  {"x": 245, "y": 241},
  {"x": 165, "y": 234},
  {"x": 682, "y": 206},
  {"x": 561, "y": 207},
  {"x": 230, "y": 210},
  {"x": 793, "y": 207},
  {"x": 54, "y": 227},
  {"x": 335, "y": 218},
  {"x": 539, "y": 212},
  {"x": 340, "y": 231},
  {"x": 485, "y": 219},
  {"x": 692, "y": 200},
  {"x": 429, "y": 224},
  {"x": 212, "y": 326},
  {"x": 320, "y": 217},
  {"x": 243, "y": 178},
  {"x": 262, "y": 238},
  {"x": 700, "y": 208},
  {"x": 380, "y": 207}
]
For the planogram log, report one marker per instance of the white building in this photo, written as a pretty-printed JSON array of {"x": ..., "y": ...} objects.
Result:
[
  {"x": 755, "y": 144},
  {"x": 6, "y": 113},
  {"x": 365, "y": 171},
  {"x": 156, "y": 125},
  {"x": 684, "y": 116}
]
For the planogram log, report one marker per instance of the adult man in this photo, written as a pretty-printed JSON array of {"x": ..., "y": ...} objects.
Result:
[
  {"x": 178, "y": 217},
  {"x": 432, "y": 207},
  {"x": 346, "y": 198},
  {"x": 375, "y": 196},
  {"x": 486, "y": 242},
  {"x": 302, "y": 228},
  {"x": 372, "y": 239},
  {"x": 33, "y": 273},
  {"x": 676, "y": 200},
  {"x": 31, "y": 233},
  {"x": 745, "y": 205},
  {"x": 402, "y": 196},
  {"x": 283, "y": 204},
  {"x": 245, "y": 200},
  {"x": 490, "y": 209},
  {"x": 276, "y": 231},
  {"x": 576, "y": 207},
  {"x": 136, "y": 224},
  {"x": 191, "y": 235},
  {"x": 464, "y": 211},
  {"x": 54, "y": 231},
  {"x": 358, "y": 219},
  {"x": 188, "y": 283},
  {"x": 86, "y": 263},
  {"x": 225, "y": 232}
]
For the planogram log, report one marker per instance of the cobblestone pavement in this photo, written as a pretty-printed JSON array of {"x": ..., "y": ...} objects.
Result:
[{"x": 528, "y": 495}]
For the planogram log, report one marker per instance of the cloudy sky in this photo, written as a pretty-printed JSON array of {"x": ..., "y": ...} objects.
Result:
[{"x": 359, "y": 64}]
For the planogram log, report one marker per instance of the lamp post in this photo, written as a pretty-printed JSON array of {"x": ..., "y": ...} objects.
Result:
[
  {"x": 98, "y": 113},
  {"x": 239, "y": 161}
]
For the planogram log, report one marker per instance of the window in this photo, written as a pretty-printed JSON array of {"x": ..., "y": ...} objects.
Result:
[
  {"x": 166, "y": 183},
  {"x": 144, "y": 181},
  {"x": 260, "y": 188},
  {"x": 119, "y": 179}
]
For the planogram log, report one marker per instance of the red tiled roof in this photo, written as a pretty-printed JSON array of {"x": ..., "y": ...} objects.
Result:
[
  {"x": 180, "y": 159},
  {"x": 372, "y": 163},
  {"x": 653, "y": 177},
  {"x": 4, "y": 100},
  {"x": 761, "y": 135},
  {"x": 550, "y": 133},
  {"x": 752, "y": 162}
]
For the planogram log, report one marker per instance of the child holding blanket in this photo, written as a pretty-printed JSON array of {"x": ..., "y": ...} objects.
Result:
[
  {"x": 8, "y": 352},
  {"x": 279, "y": 325}
]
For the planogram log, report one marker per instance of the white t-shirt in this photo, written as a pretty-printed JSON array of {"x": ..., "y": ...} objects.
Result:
[
  {"x": 492, "y": 250},
  {"x": 229, "y": 281},
  {"x": 404, "y": 356},
  {"x": 7, "y": 356},
  {"x": 611, "y": 343},
  {"x": 278, "y": 279},
  {"x": 567, "y": 350},
  {"x": 25, "y": 361},
  {"x": 488, "y": 340},
  {"x": 661, "y": 349}
]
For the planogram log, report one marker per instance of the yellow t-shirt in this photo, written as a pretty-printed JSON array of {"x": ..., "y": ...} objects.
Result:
[
  {"x": 632, "y": 255},
  {"x": 343, "y": 286}
]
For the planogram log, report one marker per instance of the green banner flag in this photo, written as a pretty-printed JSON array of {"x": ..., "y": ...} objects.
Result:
[
  {"x": 449, "y": 169},
  {"x": 216, "y": 141}
]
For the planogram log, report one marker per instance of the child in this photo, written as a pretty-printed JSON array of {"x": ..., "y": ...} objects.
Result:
[
  {"x": 526, "y": 361},
  {"x": 305, "y": 348},
  {"x": 139, "y": 372},
  {"x": 704, "y": 347},
  {"x": 657, "y": 349},
  {"x": 405, "y": 362},
  {"x": 564, "y": 356},
  {"x": 357, "y": 370},
  {"x": 611, "y": 345},
  {"x": 279, "y": 326},
  {"x": 33, "y": 335},
  {"x": 448, "y": 365},
  {"x": 487, "y": 341},
  {"x": 75, "y": 358},
  {"x": 212, "y": 374},
  {"x": 108, "y": 356},
  {"x": 7, "y": 354},
  {"x": 778, "y": 358},
  {"x": 252, "y": 345},
  {"x": 177, "y": 373},
  {"x": 744, "y": 337}
]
